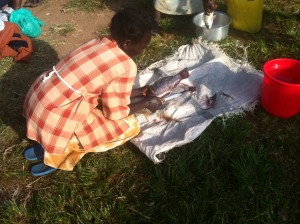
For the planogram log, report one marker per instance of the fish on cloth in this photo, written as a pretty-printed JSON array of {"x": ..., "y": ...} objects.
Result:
[
  {"x": 165, "y": 85},
  {"x": 224, "y": 87}
]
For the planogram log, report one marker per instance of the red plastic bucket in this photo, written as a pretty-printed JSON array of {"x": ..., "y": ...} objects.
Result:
[{"x": 281, "y": 87}]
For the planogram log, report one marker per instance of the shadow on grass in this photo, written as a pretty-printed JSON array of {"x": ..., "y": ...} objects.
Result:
[
  {"x": 116, "y": 5},
  {"x": 16, "y": 82}
]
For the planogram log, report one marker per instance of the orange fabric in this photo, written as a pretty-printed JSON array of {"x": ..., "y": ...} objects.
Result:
[
  {"x": 6, "y": 35},
  {"x": 74, "y": 151},
  {"x": 102, "y": 72}
]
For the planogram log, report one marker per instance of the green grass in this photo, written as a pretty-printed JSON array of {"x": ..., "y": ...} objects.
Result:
[
  {"x": 243, "y": 169},
  {"x": 85, "y": 5},
  {"x": 62, "y": 29}
]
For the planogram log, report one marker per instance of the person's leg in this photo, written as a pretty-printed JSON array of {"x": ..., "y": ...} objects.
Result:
[
  {"x": 74, "y": 151},
  {"x": 65, "y": 161},
  {"x": 157, "y": 16},
  {"x": 36, "y": 153},
  {"x": 16, "y": 4},
  {"x": 41, "y": 169},
  {"x": 156, "y": 19}
]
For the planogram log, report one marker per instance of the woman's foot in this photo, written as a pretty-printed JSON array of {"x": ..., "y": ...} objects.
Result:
[
  {"x": 32, "y": 3},
  {"x": 41, "y": 169},
  {"x": 36, "y": 3},
  {"x": 28, "y": 3},
  {"x": 34, "y": 153}
]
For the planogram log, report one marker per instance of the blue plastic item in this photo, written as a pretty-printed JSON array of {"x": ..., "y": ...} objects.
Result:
[
  {"x": 29, "y": 24},
  {"x": 41, "y": 169},
  {"x": 34, "y": 153}
]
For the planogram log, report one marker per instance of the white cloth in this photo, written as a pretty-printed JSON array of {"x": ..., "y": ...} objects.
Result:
[
  {"x": 2, "y": 25},
  {"x": 4, "y": 17},
  {"x": 178, "y": 7},
  {"x": 9, "y": 10},
  {"x": 181, "y": 120}
]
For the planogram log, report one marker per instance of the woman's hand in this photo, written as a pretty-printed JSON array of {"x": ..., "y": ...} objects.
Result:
[
  {"x": 142, "y": 91},
  {"x": 153, "y": 103},
  {"x": 209, "y": 6}
]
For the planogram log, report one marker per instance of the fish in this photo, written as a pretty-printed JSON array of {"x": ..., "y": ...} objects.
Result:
[
  {"x": 209, "y": 7},
  {"x": 207, "y": 102},
  {"x": 185, "y": 88},
  {"x": 209, "y": 19},
  {"x": 173, "y": 96},
  {"x": 165, "y": 85}
]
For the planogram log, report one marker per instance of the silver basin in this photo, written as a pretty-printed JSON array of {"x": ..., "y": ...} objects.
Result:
[{"x": 219, "y": 29}]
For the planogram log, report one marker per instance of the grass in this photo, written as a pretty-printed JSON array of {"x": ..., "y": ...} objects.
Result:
[
  {"x": 85, "y": 5},
  {"x": 62, "y": 29},
  {"x": 244, "y": 169}
]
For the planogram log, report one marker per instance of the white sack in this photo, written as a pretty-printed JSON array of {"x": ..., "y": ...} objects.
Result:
[{"x": 181, "y": 120}]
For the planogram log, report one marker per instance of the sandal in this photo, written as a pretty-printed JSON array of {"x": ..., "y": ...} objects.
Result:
[
  {"x": 36, "y": 3},
  {"x": 28, "y": 3},
  {"x": 34, "y": 153},
  {"x": 41, "y": 169}
]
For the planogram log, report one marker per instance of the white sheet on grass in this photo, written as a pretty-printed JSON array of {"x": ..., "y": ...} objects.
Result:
[{"x": 181, "y": 120}]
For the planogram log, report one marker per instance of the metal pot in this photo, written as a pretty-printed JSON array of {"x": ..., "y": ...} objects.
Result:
[{"x": 219, "y": 29}]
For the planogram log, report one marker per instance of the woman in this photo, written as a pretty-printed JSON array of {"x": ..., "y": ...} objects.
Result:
[
  {"x": 181, "y": 7},
  {"x": 83, "y": 103}
]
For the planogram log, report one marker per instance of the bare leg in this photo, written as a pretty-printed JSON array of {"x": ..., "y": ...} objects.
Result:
[
  {"x": 16, "y": 4},
  {"x": 156, "y": 19},
  {"x": 157, "y": 16}
]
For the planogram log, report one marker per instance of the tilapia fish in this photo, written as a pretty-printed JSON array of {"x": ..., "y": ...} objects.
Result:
[
  {"x": 209, "y": 19},
  {"x": 165, "y": 85},
  {"x": 207, "y": 102}
]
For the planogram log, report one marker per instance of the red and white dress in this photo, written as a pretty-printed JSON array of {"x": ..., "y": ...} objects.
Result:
[{"x": 62, "y": 105}]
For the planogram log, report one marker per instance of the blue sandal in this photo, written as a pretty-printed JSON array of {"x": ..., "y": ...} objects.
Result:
[
  {"x": 41, "y": 169},
  {"x": 34, "y": 153}
]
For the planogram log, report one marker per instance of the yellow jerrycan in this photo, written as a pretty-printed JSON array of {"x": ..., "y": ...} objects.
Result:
[{"x": 246, "y": 15}]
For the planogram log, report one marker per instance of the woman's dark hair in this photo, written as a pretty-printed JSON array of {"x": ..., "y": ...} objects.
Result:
[{"x": 130, "y": 24}]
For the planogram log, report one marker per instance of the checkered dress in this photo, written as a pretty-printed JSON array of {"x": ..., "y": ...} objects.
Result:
[{"x": 104, "y": 75}]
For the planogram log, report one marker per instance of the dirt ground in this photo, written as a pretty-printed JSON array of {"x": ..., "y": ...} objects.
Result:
[{"x": 85, "y": 25}]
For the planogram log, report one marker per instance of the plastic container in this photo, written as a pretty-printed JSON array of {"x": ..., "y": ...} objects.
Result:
[
  {"x": 281, "y": 87},
  {"x": 246, "y": 14}
]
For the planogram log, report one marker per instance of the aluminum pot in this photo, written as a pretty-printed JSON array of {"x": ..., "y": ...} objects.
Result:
[{"x": 219, "y": 29}]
